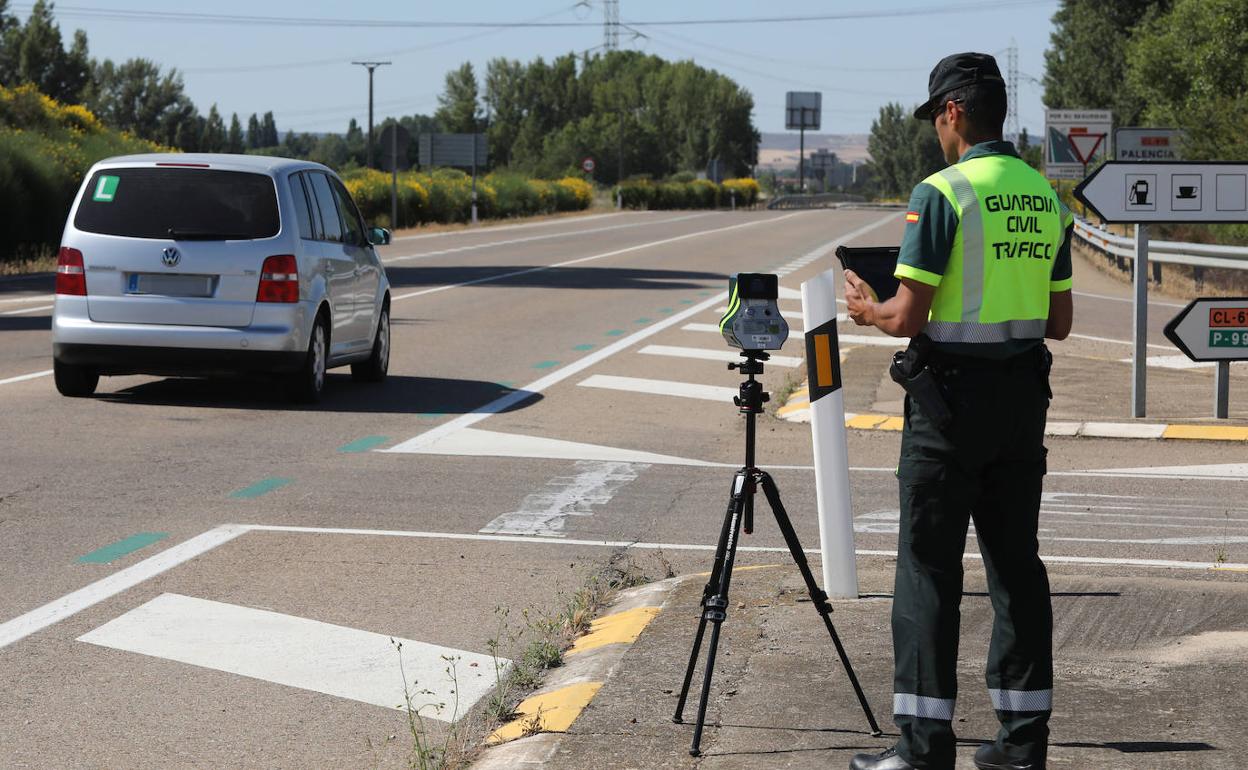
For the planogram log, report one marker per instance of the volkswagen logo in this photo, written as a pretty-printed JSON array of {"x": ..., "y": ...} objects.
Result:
[{"x": 171, "y": 257}]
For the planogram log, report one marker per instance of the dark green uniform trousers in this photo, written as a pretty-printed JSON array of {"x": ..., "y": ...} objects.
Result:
[{"x": 988, "y": 465}]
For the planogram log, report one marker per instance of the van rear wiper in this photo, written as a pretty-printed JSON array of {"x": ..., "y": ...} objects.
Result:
[{"x": 204, "y": 235}]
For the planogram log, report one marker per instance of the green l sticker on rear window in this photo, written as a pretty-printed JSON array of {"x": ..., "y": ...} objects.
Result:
[{"x": 105, "y": 189}]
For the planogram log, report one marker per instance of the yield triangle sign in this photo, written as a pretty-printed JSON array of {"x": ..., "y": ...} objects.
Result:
[{"x": 1085, "y": 146}]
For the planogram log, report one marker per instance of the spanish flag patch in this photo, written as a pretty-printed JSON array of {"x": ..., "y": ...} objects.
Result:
[{"x": 912, "y": 217}]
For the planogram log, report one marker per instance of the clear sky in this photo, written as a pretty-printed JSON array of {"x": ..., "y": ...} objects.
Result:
[{"x": 303, "y": 73}]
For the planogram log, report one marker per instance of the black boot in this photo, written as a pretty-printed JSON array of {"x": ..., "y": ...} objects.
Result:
[
  {"x": 989, "y": 757},
  {"x": 888, "y": 760}
]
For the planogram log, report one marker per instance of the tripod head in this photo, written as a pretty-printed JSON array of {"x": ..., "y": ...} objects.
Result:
[{"x": 751, "y": 399}]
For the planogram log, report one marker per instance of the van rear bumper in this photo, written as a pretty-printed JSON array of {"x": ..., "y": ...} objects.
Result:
[{"x": 172, "y": 362}]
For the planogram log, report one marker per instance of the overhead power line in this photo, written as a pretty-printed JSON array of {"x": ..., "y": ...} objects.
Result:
[{"x": 183, "y": 17}]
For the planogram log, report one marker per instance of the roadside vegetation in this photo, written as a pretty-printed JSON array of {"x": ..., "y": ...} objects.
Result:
[{"x": 686, "y": 192}]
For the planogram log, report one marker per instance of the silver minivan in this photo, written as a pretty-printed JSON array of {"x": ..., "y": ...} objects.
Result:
[{"x": 205, "y": 264}]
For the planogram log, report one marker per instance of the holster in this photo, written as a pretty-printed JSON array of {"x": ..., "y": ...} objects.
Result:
[{"x": 910, "y": 369}]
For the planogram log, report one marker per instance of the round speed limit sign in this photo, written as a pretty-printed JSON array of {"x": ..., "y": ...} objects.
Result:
[{"x": 588, "y": 165}]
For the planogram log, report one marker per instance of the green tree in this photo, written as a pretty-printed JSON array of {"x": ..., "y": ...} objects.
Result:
[
  {"x": 1032, "y": 153},
  {"x": 253, "y": 132},
  {"x": 213, "y": 138},
  {"x": 234, "y": 140},
  {"x": 1086, "y": 66},
  {"x": 458, "y": 108},
  {"x": 904, "y": 151},
  {"x": 268, "y": 131},
  {"x": 1190, "y": 67},
  {"x": 136, "y": 96},
  {"x": 34, "y": 53},
  {"x": 504, "y": 100}
]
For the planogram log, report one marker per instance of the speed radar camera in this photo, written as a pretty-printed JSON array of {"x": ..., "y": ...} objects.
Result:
[{"x": 753, "y": 320}]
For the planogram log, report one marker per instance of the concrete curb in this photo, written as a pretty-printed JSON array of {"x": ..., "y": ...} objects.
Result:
[
  {"x": 797, "y": 409},
  {"x": 571, "y": 687}
]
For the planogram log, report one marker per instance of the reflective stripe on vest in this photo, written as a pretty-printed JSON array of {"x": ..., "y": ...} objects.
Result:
[{"x": 997, "y": 280}]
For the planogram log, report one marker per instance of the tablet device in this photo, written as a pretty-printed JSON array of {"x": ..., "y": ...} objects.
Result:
[{"x": 873, "y": 264}]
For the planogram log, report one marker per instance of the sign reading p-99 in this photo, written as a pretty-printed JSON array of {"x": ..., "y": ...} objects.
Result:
[{"x": 1212, "y": 329}]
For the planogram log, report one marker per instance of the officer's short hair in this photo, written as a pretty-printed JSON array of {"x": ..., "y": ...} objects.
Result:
[{"x": 985, "y": 107}]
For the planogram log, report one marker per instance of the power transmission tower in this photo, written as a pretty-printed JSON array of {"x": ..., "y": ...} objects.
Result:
[
  {"x": 1011, "y": 116},
  {"x": 371, "y": 65},
  {"x": 611, "y": 24}
]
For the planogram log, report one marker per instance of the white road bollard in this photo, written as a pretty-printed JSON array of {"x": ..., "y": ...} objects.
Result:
[{"x": 827, "y": 424}]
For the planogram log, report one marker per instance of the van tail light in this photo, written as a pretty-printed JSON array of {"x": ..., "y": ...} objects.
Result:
[
  {"x": 279, "y": 279},
  {"x": 71, "y": 277}
]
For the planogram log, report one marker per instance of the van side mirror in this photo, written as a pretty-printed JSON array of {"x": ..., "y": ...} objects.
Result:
[{"x": 379, "y": 236}]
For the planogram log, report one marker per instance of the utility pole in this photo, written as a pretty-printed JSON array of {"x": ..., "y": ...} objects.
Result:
[
  {"x": 611, "y": 25},
  {"x": 371, "y": 65},
  {"x": 1011, "y": 83}
]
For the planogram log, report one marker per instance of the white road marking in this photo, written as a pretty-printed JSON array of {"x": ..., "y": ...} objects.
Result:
[
  {"x": 546, "y": 512},
  {"x": 787, "y": 293},
  {"x": 66, "y": 606},
  {"x": 105, "y": 588},
  {"x": 308, "y": 654},
  {"x": 24, "y": 311},
  {"x": 1235, "y": 470},
  {"x": 23, "y": 300},
  {"x": 532, "y": 238},
  {"x": 559, "y": 375},
  {"x": 711, "y": 355},
  {"x": 1117, "y": 342},
  {"x": 661, "y": 387},
  {"x": 1052, "y": 559},
  {"x": 23, "y": 378},
  {"x": 604, "y": 255},
  {"x": 1179, "y": 362},
  {"x": 474, "y": 442},
  {"x": 503, "y": 228},
  {"x": 1151, "y": 302}
]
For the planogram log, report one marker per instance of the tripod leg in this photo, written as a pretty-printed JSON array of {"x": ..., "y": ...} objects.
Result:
[
  {"x": 712, "y": 588},
  {"x": 817, "y": 595}
]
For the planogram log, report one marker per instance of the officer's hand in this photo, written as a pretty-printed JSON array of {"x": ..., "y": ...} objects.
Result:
[{"x": 859, "y": 297}]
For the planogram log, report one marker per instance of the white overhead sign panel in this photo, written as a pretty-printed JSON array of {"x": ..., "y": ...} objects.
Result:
[
  {"x": 1167, "y": 192},
  {"x": 1075, "y": 140},
  {"x": 1157, "y": 145},
  {"x": 802, "y": 109},
  {"x": 1212, "y": 329}
]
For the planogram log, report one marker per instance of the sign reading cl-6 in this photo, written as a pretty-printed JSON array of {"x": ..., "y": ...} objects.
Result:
[
  {"x": 1212, "y": 329},
  {"x": 1167, "y": 192}
]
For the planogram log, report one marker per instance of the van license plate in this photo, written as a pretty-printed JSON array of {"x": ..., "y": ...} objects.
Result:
[{"x": 170, "y": 285}]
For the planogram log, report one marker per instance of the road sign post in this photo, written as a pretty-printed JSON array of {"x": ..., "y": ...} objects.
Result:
[
  {"x": 1141, "y": 193},
  {"x": 802, "y": 110},
  {"x": 1213, "y": 329},
  {"x": 396, "y": 139},
  {"x": 827, "y": 425}
]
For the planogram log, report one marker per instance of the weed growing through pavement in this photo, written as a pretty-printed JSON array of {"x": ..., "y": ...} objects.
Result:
[
  {"x": 1221, "y": 556},
  {"x": 542, "y": 637}
]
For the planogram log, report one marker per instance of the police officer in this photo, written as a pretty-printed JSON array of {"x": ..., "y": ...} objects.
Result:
[{"x": 985, "y": 276}]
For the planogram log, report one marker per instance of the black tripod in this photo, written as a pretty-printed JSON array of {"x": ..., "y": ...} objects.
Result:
[{"x": 741, "y": 506}]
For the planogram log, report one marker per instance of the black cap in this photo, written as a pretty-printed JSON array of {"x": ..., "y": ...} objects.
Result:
[{"x": 956, "y": 71}]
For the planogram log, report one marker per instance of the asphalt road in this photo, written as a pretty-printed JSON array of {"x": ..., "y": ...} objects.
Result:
[{"x": 545, "y": 402}]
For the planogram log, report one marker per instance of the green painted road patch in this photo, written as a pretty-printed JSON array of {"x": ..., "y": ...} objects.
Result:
[
  {"x": 122, "y": 547},
  {"x": 665, "y": 310},
  {"x": 260, "y": 488},
  {"x": 615, "y": 332},
  {"x": 364, "y": 444},
  {"x": 642, "y": 321},
  {"x": 585, "y": 346},
  {"x": 545, "y": 364}
]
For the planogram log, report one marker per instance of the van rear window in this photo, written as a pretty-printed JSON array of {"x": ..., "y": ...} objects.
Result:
[{"x": 179, "y": 203}]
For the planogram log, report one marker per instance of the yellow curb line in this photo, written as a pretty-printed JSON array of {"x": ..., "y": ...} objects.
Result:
[
  {"x": 1206, "y": 432},
  {"x": 620, "y": 628},
  {"x": 555, "y": 711},
  {"x": 549, "y": 712},
  {"x": 741, "y": 569}
]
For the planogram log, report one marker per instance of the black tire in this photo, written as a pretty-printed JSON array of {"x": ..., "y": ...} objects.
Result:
[
  {"x": 307, "y": 385},
  {"x": 73, "y": 380},
  {"x": 378, "y": 363}
]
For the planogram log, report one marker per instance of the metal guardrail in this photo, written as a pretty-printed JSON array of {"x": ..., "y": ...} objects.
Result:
[
  {"x": 814, "y": 201},
  {"x": 1170, "y": 252}
]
